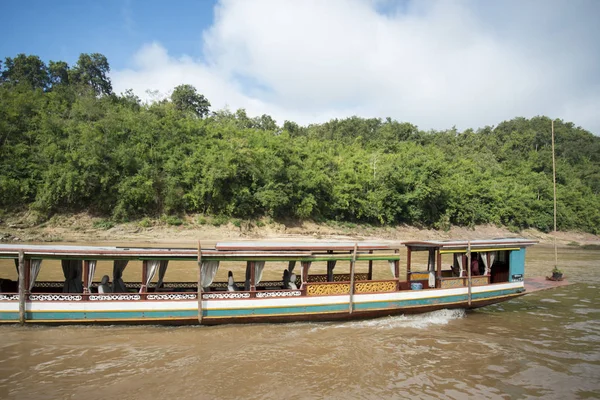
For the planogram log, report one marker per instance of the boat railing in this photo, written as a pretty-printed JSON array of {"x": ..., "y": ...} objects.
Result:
[
  {"x": 478, "y": 280},
  {"x": 338, "y": 277},
  {"x": 360, "y": 287},
  {"x": 419, "y": 275},
  {"x": 131, "y": 296}
]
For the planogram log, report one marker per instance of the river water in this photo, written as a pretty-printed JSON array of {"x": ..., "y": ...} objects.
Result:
[{"x": 545, "y": 344}]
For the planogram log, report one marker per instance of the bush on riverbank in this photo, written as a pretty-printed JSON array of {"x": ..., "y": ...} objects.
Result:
[{"x": 69, "y": 144}]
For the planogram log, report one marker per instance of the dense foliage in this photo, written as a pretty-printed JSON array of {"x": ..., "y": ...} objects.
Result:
[{"x": 68, "y": 143}]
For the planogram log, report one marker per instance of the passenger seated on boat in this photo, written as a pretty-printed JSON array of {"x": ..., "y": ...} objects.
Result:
[
  {"x": 286, "y": 279},
  {"x": 104, "y": 286},
  {"x": 292, "y": 283},
  {"x": 474, "y": 266},
  {"x": 230, "y": 282},
  {"x": 455, "y": 270}
]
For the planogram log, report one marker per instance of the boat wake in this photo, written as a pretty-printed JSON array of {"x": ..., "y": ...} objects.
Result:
[{"x": 419, "y": 321}]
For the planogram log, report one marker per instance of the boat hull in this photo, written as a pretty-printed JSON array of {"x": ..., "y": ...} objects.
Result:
[{"x": 60, "y": 309}]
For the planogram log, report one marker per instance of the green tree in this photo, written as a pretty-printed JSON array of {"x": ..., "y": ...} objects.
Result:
[
  {"x": 187, "y": 99},
  {"x": 92, "y": 70},
  {"x": 26, "y": 70},
  {"x": 58, "y": 73}
]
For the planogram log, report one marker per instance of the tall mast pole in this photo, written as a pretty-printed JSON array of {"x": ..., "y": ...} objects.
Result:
[{"x": 554, "y": 184}]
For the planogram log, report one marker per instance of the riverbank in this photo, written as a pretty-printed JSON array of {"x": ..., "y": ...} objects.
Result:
[{"x": 85, "y": 228}]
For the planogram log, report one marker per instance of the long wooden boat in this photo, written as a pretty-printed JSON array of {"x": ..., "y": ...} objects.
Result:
[{"x": 312, "y": 281}]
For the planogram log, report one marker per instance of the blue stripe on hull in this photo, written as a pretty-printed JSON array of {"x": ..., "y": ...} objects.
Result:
[
  {"x": 9, "y": 316},
  {"x": 331, "y": 308},
  {"x": 109, "y": 315},
  {"x": 241, "y": 312}
]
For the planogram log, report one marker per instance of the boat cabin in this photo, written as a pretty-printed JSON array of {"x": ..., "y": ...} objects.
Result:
[{"x": 454, "y": 263}]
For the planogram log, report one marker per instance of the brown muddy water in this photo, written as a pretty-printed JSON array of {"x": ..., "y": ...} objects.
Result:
[{"x": 544, "y": 345}]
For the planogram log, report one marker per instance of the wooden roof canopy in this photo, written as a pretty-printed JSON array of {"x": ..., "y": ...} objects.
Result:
[
  {"x": 237, "y": 250},
  {"x": 498, "y": 243},
  {"x": 253, "y": 249}
]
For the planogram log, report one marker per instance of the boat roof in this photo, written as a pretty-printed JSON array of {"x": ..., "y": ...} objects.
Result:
[
  {"x": 250, "y": 249},
  {"x": 498, "y": 243},
  {"x": 307, "y": 245},
  {"x": 241, "y": 249}
]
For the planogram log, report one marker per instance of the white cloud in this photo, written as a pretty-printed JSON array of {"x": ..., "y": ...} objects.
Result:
[{"x": 435, "y": 63}]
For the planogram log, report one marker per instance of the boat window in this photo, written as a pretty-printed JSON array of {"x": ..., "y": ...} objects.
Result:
[
  {"x": 503, "y": 256},
  {"x": 9, "y": 277}
]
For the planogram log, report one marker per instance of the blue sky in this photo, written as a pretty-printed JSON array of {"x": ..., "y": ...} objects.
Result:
[
  {"x": 63, "y": 29},
  {"x": 434, "y": 63}
]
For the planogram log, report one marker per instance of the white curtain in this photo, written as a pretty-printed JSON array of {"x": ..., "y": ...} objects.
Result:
[
  {"x": 431, "y": 260},
  {"x": 488, "y": 267},
  {"x": 483, "y": 255},
  {"x": 91, "y": 272},
  {"x": 258, "y": 271},
  {"x": 34, "y": 270},
  {"x": 209, "y": 270},
  {"x": 392, "y": 267},
  {"x": 162, "y": 270},
  {"x": 118, "y": 268},
  {"x": 458, "y": 261},
  {"x": 152, "y": 267},
  {"x": 431, "y": 267}
]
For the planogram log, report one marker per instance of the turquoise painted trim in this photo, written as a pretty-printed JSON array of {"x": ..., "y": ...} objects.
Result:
[
  {"x": 276, "y": 310},
  {"x": 358, "y": 306},
  {"x": 516, "y": 264},
  {"x": 109, "y": 315},
  {"x": 9, "y": 316}
]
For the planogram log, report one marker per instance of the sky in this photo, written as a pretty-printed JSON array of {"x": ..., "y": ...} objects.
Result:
[{"x": 437, "y": 63}]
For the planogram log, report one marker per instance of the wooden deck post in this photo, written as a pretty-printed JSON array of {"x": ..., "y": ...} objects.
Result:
[
  {"x": 408, "y": 256},
  {"x": 143, "y": 287},
  {"x": 370, "y": 267},
  {"x": 86, "y": 273},
  {"x": 305, "y": 267},
  {"x": 352, "y": 268},
  {"x": 22, "y": 293},
  {"x": 330, "y": 267},
  {"x": 200, "y": 311},
  {"x": 253, "y": 276},
  {"x": 438, "y": 261},
  {"x": 469, "y": 270},
  {"x": 397, "y": 266}
]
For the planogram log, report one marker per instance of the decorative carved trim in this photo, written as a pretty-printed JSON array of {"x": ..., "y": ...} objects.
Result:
[
  {"x": 330, "y": 288},
  {"x": 49, "y": 284},
  {"x": 102, "y": 297},
  {"x": 375, "y": 287},
  {"x": 275, "y": 293},
  {"x": 479, "y": 280},
  {"x": 9, "y": 297},
  {"x": 223, "y": 285},
  {"x": 338, "y": 277},
  {"x": 55, "y": 297},
  {"x": 453, "y": 283},
  {"x": 172, "y": 296},
  {"x": 226, "y": 295},
  {"x": 186, "y": 285},
  {"x": 419, "y": 276},
  {"x": 271, "y": 284}
]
